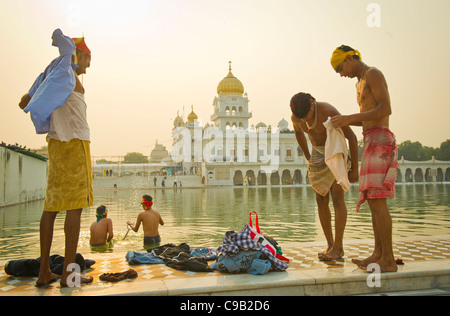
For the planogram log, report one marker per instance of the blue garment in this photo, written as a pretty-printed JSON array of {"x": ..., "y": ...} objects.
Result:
[
  {"x": 203, "y": 252},
  {"x": 53, "y": 87},
  {"x": 259, "y": 267},
  {"x": 244, "y": 261},
  {"x": 134, "y": 257}
]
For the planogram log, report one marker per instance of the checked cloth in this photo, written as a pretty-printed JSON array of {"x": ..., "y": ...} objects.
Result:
[{"x": 234, "y": 242}]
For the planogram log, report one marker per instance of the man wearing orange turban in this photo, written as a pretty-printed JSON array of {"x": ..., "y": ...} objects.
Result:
[
  {"x": 379, "y": 164},
  {"x": 58, "y": 108},
  {"x": 82, "y": 55},
  {"x": 81, "y": 45}
]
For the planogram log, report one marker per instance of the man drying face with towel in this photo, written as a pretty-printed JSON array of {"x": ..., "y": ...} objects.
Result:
[
  {"x": 57, "y": 108},
  {"x": 308, "y": 116},
  {"x": 379, "y": 161}
]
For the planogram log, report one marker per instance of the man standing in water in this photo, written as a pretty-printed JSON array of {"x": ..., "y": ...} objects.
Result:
[
  {"x": 308, "y": 117},
  {"x": 57, "y": 107},
  {"x": 150, "y": 220},
  {"x": 379, "y": 164}
]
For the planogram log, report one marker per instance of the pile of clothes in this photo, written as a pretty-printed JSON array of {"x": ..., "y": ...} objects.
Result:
[
  {"x": 240, "y": 253},
  {"x": 247, "y": 251},
  {"x": 237, "y": 253}
]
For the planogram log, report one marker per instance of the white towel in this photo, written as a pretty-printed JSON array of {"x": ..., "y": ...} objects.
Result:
[{"x": 336, "y": 154}]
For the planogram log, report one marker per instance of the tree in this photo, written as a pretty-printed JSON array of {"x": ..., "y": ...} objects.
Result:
[
  {"x": 135, "y": 158},
  {"x": 443, "y": 153},
  {"x": 415, "y": 151},
  {"x": 104, "y": 161}
]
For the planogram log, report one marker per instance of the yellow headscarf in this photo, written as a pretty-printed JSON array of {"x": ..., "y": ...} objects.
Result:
[{"x": 339, "y": 56}]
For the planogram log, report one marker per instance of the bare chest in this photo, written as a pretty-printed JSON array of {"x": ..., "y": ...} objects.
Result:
[{"x": 364, "y": 96}]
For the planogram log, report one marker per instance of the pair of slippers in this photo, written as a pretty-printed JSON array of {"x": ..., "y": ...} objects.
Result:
[{"x": 116, "y": 277}]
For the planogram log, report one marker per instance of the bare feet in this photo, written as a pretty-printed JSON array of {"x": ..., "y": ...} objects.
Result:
[
  {"x": 362, "y": 264},
  {"x": 333, "y": 255},
  {"x": 321, "y": 254},
  {"x": 385, "y": 265},
  {"x": 47, "y": 279}
]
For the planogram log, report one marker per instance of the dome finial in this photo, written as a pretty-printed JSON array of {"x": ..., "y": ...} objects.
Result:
[
  {"x": 192, "y": 116},
  {"x": 230, "y": 84}
]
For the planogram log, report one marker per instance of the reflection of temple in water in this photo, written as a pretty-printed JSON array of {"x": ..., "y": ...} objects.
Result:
[
  {"x": 289, "y": 213},
  {"x": 229, "y": 151}
]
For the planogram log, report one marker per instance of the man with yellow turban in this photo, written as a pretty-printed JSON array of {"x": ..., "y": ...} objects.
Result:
[
  {"x": 57, "y": 108},
  {"x": 379, "y": 164}
]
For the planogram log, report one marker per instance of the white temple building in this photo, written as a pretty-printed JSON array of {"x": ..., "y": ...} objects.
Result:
[{"x": 229, "y": 151}]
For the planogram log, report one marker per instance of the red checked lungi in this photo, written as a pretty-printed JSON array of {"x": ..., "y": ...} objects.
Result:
[{"x": 379, "y": 165}]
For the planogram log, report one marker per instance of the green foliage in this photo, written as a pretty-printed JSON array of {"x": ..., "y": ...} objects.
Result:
[
  {"x": 444, "y": 151},
  {"x": 415, "y": 151},
  {"x": 135, "y": 158}
]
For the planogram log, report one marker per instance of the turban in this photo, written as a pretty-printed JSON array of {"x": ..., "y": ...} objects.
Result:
[
  {"x": 339, "y": 56},
  {"x": 81, "y": 45}
]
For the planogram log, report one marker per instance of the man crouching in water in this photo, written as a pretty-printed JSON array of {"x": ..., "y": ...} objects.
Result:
[
  {"x": 102, "y": 228},
  {"x": 150, "y": 220}
]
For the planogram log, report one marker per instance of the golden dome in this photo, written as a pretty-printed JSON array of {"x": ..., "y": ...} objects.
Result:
[
  {"x": 178, "y": 121},
  {"x": 230, "y": 85},
  {"x": 192, "y": 116}
]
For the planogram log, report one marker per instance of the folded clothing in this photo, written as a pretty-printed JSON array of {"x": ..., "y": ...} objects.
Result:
[
  {"x": 31, "y": 267},
  {"x": 253, "y": 262},
  {"x": 116, "y": 277},
  {"x": 143, "y": 257},
  {"x": 203, "y": 252},
  {"x": 179, "y": 257}
]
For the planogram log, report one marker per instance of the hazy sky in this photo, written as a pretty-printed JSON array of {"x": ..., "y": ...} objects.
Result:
[{"x": 151, "y": 58}]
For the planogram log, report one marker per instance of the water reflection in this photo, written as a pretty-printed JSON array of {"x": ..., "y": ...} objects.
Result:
[{"x": 200, "y": 217}]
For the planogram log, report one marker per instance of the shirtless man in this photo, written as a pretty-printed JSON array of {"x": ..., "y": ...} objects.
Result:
[
  {"x": 308, "y": 117},
  {"x": 150, "y": 219},
  {"x": 102, "y": 228},
  {"x": 379, "y": 161}
]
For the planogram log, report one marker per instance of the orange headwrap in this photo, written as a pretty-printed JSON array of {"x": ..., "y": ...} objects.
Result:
[
  {"x": 81, "y": 45},
  {"x": 339, "y": 56}
]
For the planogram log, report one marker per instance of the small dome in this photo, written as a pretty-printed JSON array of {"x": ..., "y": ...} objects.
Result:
[
  {"x": 230, "y": 85},
  {"x": 261, "y": 124},
  {"x": 192, "y": 116},
  {"x": 178, "y": 121},
  {"x": 283, "y": 125}
]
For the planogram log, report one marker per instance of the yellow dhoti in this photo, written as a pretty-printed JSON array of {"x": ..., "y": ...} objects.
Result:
[{"x": 69, "y": 182}]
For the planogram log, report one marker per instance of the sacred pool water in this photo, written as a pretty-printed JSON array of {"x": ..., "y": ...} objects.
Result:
[{"x": 201, "y": 216}]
